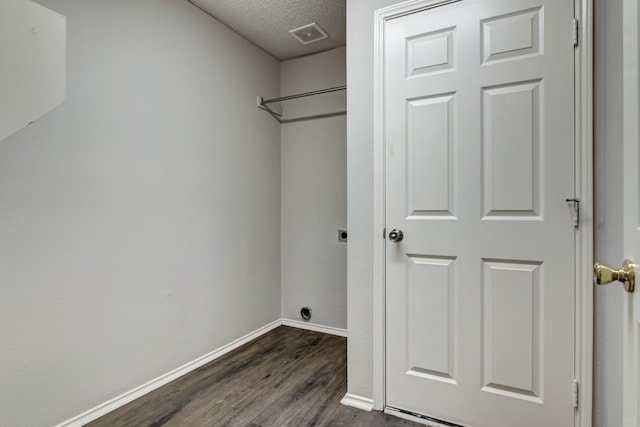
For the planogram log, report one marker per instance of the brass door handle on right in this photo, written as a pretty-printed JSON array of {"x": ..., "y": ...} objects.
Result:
[{"x": 604, "y": 274}]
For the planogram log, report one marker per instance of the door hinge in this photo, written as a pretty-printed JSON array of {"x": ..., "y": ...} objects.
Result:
[
  {"x": 575, "y": 205},
  {"x": 574, "y": 32},
  {"x": 576, "y": 393}
]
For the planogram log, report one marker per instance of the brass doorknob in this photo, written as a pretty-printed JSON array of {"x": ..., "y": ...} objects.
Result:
[{"x": 603, "y": 275}]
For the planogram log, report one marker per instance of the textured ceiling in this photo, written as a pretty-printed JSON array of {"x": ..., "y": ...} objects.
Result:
[{"x": 266, "y": 22}]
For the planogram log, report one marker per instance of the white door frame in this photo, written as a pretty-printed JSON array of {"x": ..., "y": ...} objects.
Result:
[
  {"x": 631, "y": 104},
  {"x": 583, "y": 190}
]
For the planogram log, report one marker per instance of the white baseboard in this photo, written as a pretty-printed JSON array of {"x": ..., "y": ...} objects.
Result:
[
  {"x": 356, "y": 401},
  {"x": 123, "y": 399},
  {"x": 315, "y": 327}
]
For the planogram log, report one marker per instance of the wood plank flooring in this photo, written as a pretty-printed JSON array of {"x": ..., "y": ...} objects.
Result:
[{"x": 287, "y": 377}]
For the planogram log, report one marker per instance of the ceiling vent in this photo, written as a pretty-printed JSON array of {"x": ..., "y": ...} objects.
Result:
[{"x": 309, "y": 33}]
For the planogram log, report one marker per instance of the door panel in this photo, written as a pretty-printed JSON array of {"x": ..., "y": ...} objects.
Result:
[
  {"x": 430, "y": 168},
  {"x": 512, "y": 35},
  {"x": 430, "y": 314},
  {"x": 511, "y": 314},
  {"x": 511, "y": 150},
  {"x": 479, "y": 140},
  {"x": 431, "y": 52}
]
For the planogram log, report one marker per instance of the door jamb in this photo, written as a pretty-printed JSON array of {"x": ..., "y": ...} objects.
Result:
[
  {"x": 631, "y": 132},
  {"x": 584, "y": 191}
]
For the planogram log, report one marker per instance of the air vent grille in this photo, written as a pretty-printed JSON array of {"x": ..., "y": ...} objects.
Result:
[{"x": 309, "y": 33}]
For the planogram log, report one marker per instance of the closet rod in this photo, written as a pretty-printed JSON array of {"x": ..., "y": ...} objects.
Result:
[{"x": 302, "y": 95}]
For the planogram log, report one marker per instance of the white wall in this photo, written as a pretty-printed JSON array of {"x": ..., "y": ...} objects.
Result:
[
  {"x": 314, "y": 191},
  {"x": 140, "y": 220},
  {"x": 608, "y": 248}
]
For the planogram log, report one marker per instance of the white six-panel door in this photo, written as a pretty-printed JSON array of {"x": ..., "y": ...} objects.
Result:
[
  {"x": 479, "y": 158},
  {"x": 631, "y": 195}
]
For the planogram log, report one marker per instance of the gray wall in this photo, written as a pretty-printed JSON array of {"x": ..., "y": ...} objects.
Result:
[
  {"x": 360, "y": 32},
  {"x": 116, "y": 259},
  {"x": 608, "y": 245},
  {"x": 314, "y": 191}
]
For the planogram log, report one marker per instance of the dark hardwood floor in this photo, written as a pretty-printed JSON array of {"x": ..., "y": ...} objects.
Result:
[{"x": 287, "y": 377}]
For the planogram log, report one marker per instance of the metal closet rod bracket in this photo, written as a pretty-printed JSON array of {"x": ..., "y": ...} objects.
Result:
[{"x": 263, "y": 104}]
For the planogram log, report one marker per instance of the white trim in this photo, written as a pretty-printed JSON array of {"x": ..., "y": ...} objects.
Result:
[
  {"x": 123, "y": 399},
  {"x": 631, "y": 137},
  {"x": 315, "y": 327},
  {"x": 584, "y": 190},
  {"x": 356, "y": 401},
  {"x": 378, "y": 216}
]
